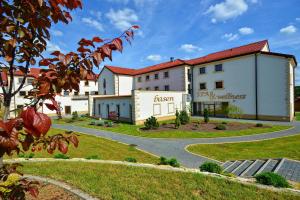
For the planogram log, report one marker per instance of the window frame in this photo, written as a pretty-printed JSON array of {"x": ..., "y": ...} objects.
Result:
[
  {"x": 147, "y": 78},
  {"x": 219, "y": 82},
  {"x": 205, "y": 88},
  {"x": 218, "y": 65},
  {"x": 167, "y": 86},
  {"x": 156, "y": 88},
  {"x": 156, "y": 76},
  {"x": 204, "y": 68},
  {"x": 168, "y": 75}
]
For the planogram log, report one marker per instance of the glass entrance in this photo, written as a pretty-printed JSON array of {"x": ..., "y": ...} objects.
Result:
[{"x": 215, "y": 109}]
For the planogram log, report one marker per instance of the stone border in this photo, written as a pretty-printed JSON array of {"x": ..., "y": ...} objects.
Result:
[{"x": 244, "y": 181}]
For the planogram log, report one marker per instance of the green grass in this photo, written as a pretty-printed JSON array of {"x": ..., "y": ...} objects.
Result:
[
  {"x": 107, "y": 181},
  {"x": 298, "y": 116},
  {"x": 129, "y": 129},
  {"x": 91, "y": 146},
  {"x": 288, "y": 147}
]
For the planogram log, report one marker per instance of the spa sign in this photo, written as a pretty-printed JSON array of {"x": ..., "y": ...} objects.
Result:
[
  {"x": 227, "y": 96},
  {"x": 158, "y": 98}
]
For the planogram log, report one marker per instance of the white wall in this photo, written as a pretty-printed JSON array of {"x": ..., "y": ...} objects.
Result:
[
  {"x": 125, "y": 84},
  {"x": 110, "y": 82}
]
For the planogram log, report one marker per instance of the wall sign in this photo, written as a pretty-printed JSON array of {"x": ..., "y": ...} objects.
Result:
[
  {"x": 227, "y": 96},
  {"x": 158, "y": 98}
]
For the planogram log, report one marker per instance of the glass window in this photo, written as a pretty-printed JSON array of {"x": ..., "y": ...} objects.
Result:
[
  {"x": 166, "y": 74},
  {"x": 147, "y": 88},
  {"x": 66, "y": 93},
  {"x": 219, "y": 68},
  {"x": 20, "y": 80},
  {"x": 202, "y": 86},
  {"x": 29, "y": 80},
  {"x": 22, "y": 93},
  {"x": 156, "y": 88},
  {"x": 139, "y": 79},
  {"x": 202, "y": 70},
  {"x": 219, "y": 85},
  {"x": 104, "y": 83},
  {"x": 156, "y": 76},
  {"x": 86, "y": 83},
  {"x": 167, "y": 88},
  {"x": 96, "y": 93},
  {"x": 86, "y": 93},
  {"x": 147, "y": 78},
  {"x": 76, "y": 93}
]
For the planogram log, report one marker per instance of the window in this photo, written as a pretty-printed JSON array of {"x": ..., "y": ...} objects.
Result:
[
  {"x": 147, "y": 88},
  {"x": 156, "y": 76},
  {"x": 219, "y": 68},
  {"x": 140, "y": 88},
  {"x": 66, "y": 93},
  {"x": 29, "y": 80},
  {"x": 156, "y": 88},
  {"x": 219, "y": 85},
  {"x": 99, "y": 109},
  {"x": 104, "y": 83},
  {"x": 167, "y": 88},
  {"x": 139, "y": 79},
  {"x": 86, "y": 83},
  {"x": 202, "y": 86},
  {"x": 166, "y": 74},
  {"x": 202, "y": 70},
  {"x": 189, "y": 75},
  {"x": 96, "y": 93},
  {"x": 147, "y": 78},
  {"x": 86, "y": 93},
  {"x": 22, "y": 93},
  {"x": 20, "y": 80},
  {"x": 189, "y": 89},
  {"x": 76, "y": 93}
]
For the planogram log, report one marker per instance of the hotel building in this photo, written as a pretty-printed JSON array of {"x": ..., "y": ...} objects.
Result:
[{"x": 251, "y": 77}]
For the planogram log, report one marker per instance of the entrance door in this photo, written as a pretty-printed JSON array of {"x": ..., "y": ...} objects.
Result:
[
  {"x": 118, "y": 110},
  {"x": 67, "y": 110}
]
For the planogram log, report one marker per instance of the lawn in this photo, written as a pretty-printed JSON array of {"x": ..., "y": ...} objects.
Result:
[
  {"x": 107, "y": 181},
  {"x": 102, "y": 148},
  {"x": 288, "y": 147},
  {"x": 129, "y": 129},
  {"x": 298, "y": 116}
]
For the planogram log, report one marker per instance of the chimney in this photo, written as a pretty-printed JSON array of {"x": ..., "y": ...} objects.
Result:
[{"x": 171, "y": 59}]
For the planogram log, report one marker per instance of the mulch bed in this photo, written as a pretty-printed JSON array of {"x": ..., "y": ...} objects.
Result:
[
  {"x": 52, "y": 192},
  {"x": 205, "y": 127}
]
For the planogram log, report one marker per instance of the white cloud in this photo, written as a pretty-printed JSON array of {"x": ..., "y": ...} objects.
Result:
[
  {"x": 227, "y": 9},
  {"x": 93, "y": 23},
  {"x": 136, "y": 2},
  {"x": 298, "y": 19},
  {"x": 122, "y": 19},
  {"x": 253, "y": 1},
  {"x": 57, "y": 33},
  {"x": 246, "y": 31},
  {"x": 96, "y": 14},
  {"x": 53, "y": 47},
  {"x": 190, "y": 48},
  {"x": 230, "y": 36},
  {"x": 154, "y": 57},
  {"x": 288, "y": 30}
]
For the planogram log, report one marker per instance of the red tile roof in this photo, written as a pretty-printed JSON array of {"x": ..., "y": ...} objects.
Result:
[
  {"x": 121, "y": 70},
  {"x": 35, "y": 72},
  {"x": 229, "y": 53}
]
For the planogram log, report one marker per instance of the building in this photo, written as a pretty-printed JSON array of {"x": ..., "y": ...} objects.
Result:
[
  {"x": 250, "y": 77},
  {"x": 69, "y": 102}
]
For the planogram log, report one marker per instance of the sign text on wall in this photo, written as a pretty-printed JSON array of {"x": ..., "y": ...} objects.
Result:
[
  {"x": 227, "y": 96},
  {"x": 158, "y": 98}
]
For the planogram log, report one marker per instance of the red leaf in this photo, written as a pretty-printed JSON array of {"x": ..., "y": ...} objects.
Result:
[
  {"x": 41, "y": 122},
  {"x": 33, "y": 191},
  {"x": 55, "y": 53},
  {"x": 97, "y": 39},
  {"x": 97, "y": 57},
  {"x": 135, "y": 26},
  {"x": 74, "y": 140},
  {"x": 107, "y": 51},
  {"x": 118, "y": 43},
  {"x": 44, "y": 62},
  {"x": 62, "y": 147},
  {"x": 67, "y": 59}
]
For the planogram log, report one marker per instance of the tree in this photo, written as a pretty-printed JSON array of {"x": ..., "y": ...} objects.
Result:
[
  {"x": 24, "y": 32},
  {"x": 177, "y": 120}
]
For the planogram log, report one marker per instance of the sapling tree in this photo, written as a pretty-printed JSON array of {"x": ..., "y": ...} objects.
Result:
[{"x": 24, "y": 32}]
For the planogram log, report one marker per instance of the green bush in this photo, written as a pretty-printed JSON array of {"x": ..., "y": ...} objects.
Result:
[
  {"x": 93, "y": 157},
  {"x": 211, "y": 167},
  {"x": 71, "y": 120},
  {"x": 224, "y": 122},
  {"x": 259, "y": 125},
  {"x": 270, "y": 178},
  {"x": 234, "y": 112},
  {"x": 129, "y": 159},
  {"x": 151, "y": 123},
  {"x": 177, "y": 120},
  {"x": 221, "y": 127},
  {"x": 74, "y": 115},
  {"x": 93, "y": 122},
  {"x": 110, "y": 124},
  {"x": 100, "y": 123},
  {"x": 61, "y": 156},
  {"x": 172, "y": 162},
  {"x": 206, "y": 116},
  {"x": 184, "y": 117}
]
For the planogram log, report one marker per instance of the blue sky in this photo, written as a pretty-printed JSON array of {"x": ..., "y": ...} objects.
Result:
[{"x": 183, "y": 28}]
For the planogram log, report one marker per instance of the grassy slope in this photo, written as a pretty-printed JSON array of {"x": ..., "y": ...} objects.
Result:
[
  {"x": 103, "y": 148},
  {"x": 130, "y": 129},
  {"x": 123, "y": 182},
  {"x": 298, "y": 116},
  {"x": 288, "y": 147}
]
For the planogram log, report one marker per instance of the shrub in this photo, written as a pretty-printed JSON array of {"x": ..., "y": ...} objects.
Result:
[
  {"x": 164, "y": 123},
  {"x": 211, "y": 167},
  {"x": 184, "y": 117},
  {"x": 74, "y": 115},
  {"x": 93, "y": 123},
  {"x": 224, "y": 122},
  {"x": 234, "y": 112},
  {"x": 221, "y": 127},
  {"x": 270, "y": 178},
  {"x": 71, "y": 120},
  {"x": 61, "y": 156},
  {"x": 172, "y": 162},
  {"x": 259, "y": 125},
  {"x": 151, "y": 123},
  {"x": 206, "y": 116},
  {"x": 129, "y": 159},
  {"x": 93, "y": 157},
  {"x": 177, "y": 120},
  {"x": 110, "y": 124},
  {"x": 100, "y": 123}
]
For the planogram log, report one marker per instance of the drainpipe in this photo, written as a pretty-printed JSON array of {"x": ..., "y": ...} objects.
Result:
[
  {"x": 256, "y": 91},
  {"x": 192, "y": 88}
]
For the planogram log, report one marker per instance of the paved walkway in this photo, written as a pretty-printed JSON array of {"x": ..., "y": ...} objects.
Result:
[{"x": 176, "y": 147}]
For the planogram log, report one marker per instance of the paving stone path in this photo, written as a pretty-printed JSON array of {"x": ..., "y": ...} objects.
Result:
[{"x": 176, "y": 147}]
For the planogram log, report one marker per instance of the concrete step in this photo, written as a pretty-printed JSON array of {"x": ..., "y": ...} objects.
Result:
[
  {"x": 269, "y": 166},
  {"x": 253, "y": 168},
  {"x": 226, "y": 164},
  {"x": 234, "y": 165},
  {"x": 242, "y": 167}
]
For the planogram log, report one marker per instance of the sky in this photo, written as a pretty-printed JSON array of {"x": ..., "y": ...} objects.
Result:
[{"x": 182, "y": 29}]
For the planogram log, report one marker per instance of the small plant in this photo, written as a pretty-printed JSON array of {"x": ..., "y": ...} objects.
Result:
[
  {"x": 224, "y": 122},
  {"x": 93, "y": 157},
  {"x": 271, "y": 178},
  {"x": 221, "y": 127},
  {"x": 151, "y": 123},
  {"x": 129, "y": 159},
  {"x": 184, "y": 117},
  {"x": 177, "y": 120},
  {"x": 110, "y": 124},
  {"x": 61, "y": 156},
  {"x": 93, "y": 122},
  {"x": 71, "y": 120},
  {"x": 74, "y": 115},
  {"x": 211, "y": 167},
  {"x": 164, "y": 123},
  {"x": 234, "y": 112},
  {"x": 206, "y": 115},
  {"x": 172, "y": 162},
  {"x": 259, "y": 125},
  {"x": 100, "y": 123}
]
